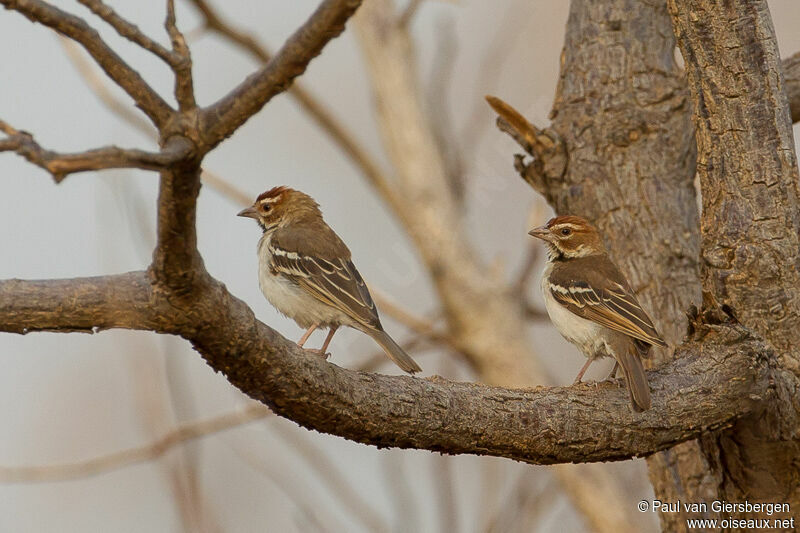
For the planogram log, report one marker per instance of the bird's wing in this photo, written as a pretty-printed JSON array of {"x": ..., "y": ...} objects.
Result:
[
  {"x": 332, "y": 280},
  {"x": 603, "y": 296}
]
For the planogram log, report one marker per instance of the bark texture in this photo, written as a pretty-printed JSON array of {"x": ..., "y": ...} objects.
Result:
[
  {"x": 750, "y": 224},
  {"x": 620, "y": 150},
  {"x": 621, "y": 114}
]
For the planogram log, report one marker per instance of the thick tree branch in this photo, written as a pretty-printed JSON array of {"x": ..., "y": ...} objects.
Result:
[
  {"x": 713, "y": 383},
  {"x": 223, "y": 118},
  {"x": 61, "y": 165},
  {"x": 78, "y": 30},
  {"x": 746, "y": 164}
]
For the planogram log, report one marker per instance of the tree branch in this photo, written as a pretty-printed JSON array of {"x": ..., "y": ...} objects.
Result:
[
  {"x": 184, "y": 85},
  {"x": 713, "y": 383},
  {"x": 61, "y": 165},
  {"x": 746, "y": 164},
  {"x": 221, "y": 119},
  {"x": 130, "y": 31},
  {"x": 545, "y": 146},
  {"x": 324, "y": 118},
  {"x": 78, "y": 30}
]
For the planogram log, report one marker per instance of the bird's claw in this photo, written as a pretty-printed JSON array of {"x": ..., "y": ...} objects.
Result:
[{"x": 319, "y": 352}]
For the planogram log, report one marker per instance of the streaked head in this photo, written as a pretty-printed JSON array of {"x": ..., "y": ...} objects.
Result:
[
  {"x": 569, "y": 237},
  {"x": 280, "y": 206}
]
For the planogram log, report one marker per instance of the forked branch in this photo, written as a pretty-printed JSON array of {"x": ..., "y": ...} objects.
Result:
[{"x": 61, "y": 165}]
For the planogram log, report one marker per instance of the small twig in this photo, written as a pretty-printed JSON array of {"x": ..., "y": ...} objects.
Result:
[
  {"x": 109, "y": 157},
  {"x": 545, "y": 146},
  {"x": 121, "y": 459},
  {"x": 221, "y": 119},
  {"x": 184, "y": 85},
  {"x": 130, "y": 31},
  {"x": 68, "y": 25},
  {"x": 315, "y": 109}
]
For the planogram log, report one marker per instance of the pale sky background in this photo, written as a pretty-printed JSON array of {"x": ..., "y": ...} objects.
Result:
[{"x": 68, "y": 398}]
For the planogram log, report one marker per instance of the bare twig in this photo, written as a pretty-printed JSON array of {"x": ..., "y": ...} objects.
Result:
[
  {"x": 157, "y": 110},
  {"x": 224, "y": 117},
  {"x": 315, "y": 109},
  {"x": 546, "y": 147},
  {"x": 121, "y": 459},
  {"x": 130, "y": 31},
  {"x": 61, "y": 165},
  {"x": 184, "y": 86}
]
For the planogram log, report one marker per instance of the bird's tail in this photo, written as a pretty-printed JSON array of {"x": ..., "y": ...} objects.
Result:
[
  {"x": 635, "y": 378},
  {"x": 393, "y": 350}
]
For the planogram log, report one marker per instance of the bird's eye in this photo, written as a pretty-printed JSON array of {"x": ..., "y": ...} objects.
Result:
[
  {"x": 266, "y": 208},
  {"x": 566, "y": 231}
]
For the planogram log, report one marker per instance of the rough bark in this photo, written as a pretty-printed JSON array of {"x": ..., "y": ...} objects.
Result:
[
  {"x": 610, "y": 82},
  {"x": 620, "y": 151},
  {"x": 621, "y": 109},
  {"x": 483, "y": 313},
  {"x": 540, "y": 425},
  {"x": 750, "y": 224}
]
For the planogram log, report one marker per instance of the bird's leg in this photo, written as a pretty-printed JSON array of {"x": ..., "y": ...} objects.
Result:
[
  {"x": 328, "y": 338},
  {"x": 325, "y": 344},
  {"x": 307, "y": 334},
  {"x": 579, "y": 377},
  {"x": 613, "y": 375}
]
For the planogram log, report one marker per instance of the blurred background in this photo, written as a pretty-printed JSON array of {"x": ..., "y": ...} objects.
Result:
[{"x": 87, "y": 415}]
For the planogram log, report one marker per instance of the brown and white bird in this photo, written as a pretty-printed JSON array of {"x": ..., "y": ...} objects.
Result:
[
  {"x": 592, "y": 305},
  {"x": 305, "y": 271}
]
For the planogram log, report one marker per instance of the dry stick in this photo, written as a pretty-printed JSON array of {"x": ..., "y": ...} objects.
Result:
[
  {"x": 219, "y": 120},
  {"x": 184, "y": 85},
  {"x": 110, "y": 157},
  {"x": 123, "y": 458},
  {"x": 130, "y": 31},
  {"x": 337, "y": 131},
  {"x": 68, "y": 25}
]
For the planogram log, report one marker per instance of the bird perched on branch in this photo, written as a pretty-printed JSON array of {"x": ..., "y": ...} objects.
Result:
[
  {"x": 592, "y": 305},
  {"x": 305, "y": 271}
]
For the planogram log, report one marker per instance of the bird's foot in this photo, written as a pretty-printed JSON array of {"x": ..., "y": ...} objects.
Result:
[{"x": 317, "y": 351}]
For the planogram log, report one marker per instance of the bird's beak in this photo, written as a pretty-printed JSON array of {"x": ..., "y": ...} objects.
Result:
[
  {"x": 540, "y": 233},
  {"x": 249, "y": 212}
]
